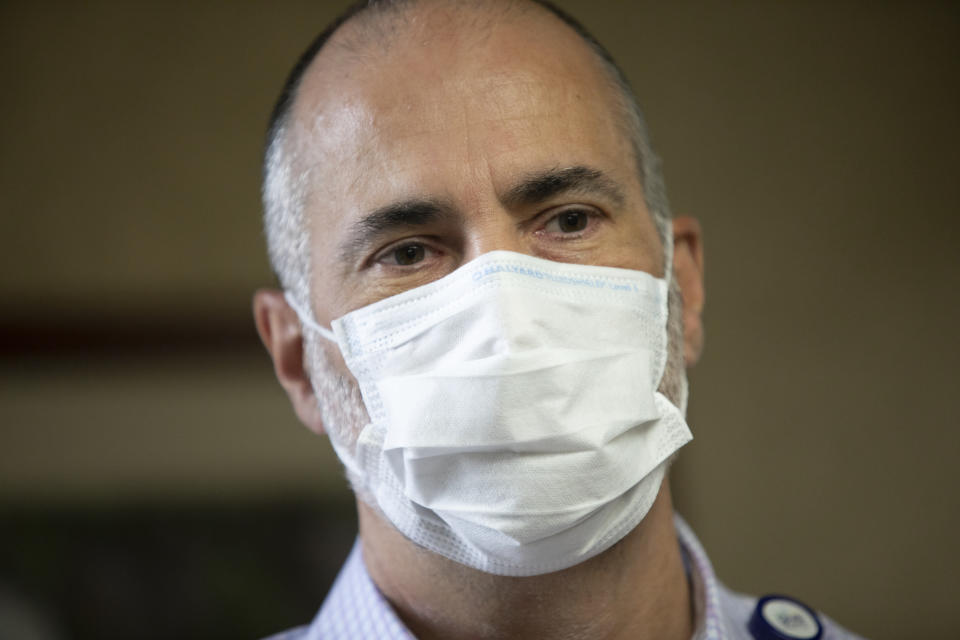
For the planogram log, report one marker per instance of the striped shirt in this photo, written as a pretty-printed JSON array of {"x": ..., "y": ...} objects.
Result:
[{"x": 356, "y": 610}]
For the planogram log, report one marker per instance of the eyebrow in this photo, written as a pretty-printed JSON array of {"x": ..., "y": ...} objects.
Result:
[
  {"x": 532, "y": 189},
  {"x": 542, "y": 185},
  {"x": 405, "y": 214}
]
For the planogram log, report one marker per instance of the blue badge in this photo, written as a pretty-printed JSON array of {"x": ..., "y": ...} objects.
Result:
[{"x": 781, "y": 618}]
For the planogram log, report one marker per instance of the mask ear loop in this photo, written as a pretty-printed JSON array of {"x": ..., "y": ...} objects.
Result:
[
  {"x": 307, "y": 320},
  {"x": 668, "y": 256}
]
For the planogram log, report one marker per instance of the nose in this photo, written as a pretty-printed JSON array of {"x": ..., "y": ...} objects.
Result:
[{"x": 494, "y": 229}]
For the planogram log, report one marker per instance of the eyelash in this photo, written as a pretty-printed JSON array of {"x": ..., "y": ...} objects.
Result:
[
  {"x": 406, "y": 242},
  {"x": 591, "y": 213}
]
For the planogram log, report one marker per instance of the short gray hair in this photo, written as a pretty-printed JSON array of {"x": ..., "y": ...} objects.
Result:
[{"x": 285, "y": 187}]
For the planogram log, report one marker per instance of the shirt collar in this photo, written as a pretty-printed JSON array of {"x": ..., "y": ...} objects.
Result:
[{"x": 708, "y": 623}]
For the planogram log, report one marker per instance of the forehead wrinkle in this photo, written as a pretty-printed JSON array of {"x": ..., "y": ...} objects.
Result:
[
  {"x": 458, "y": 105},
  {"x": 500, "y": 99}
]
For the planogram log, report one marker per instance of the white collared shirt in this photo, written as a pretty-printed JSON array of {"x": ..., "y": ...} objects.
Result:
[{"x": 356, "y": 610}]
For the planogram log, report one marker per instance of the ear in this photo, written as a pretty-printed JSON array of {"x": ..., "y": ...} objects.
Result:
[
  {"x": 279, "y": 329},
  {"x": 688, "y": 270}
]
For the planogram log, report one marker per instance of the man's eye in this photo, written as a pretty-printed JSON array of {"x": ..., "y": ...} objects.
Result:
[
  {"x": 409, "y": 254},
  {"x": 569, "y": 222}
]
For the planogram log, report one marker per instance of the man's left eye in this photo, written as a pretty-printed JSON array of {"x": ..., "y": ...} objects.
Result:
[
  {"x": 570, "y": 221},
  {"x": 409, "y": 254}
]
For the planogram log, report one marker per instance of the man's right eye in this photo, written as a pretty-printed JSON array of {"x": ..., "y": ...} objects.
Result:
[
  {"x": 407, "y": 254},
  {"x": 420, "y": 258}
]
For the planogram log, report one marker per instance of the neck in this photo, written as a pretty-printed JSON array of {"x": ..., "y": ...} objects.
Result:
[{"x": 635, "y": 589}]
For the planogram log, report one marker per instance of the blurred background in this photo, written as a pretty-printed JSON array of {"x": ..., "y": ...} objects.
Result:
[{"x": 153, "y": 479}]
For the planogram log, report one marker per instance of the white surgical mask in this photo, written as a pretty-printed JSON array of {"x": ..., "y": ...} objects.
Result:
[{"x": 515, "y": 423}]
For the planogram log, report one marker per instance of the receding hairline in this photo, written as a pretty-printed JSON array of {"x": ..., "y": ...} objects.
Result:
[{"x": 367, "y": 30}]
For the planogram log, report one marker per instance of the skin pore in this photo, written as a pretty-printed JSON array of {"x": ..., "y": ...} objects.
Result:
[{"x": 466, "y": 134}]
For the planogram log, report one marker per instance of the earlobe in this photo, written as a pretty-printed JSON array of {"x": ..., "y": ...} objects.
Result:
[
  {"x": 281, "y": 334},
  {"x": 688, "y": 269}
]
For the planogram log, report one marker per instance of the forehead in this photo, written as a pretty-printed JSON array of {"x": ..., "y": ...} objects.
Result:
[
  {"x": 441, "y": 68},
  {"x": 451, "y": 106}
]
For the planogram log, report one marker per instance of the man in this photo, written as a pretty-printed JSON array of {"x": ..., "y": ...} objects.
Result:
[{"x": 488, "y": 310}]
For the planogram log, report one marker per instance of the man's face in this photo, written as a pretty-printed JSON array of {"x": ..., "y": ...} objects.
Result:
[{"x": 447, "y": 144}]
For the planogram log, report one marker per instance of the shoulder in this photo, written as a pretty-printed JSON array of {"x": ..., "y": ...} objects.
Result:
[{"x": 751, "y": 618}]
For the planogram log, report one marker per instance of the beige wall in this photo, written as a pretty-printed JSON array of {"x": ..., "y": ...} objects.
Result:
[{"x": 817, "y": 143}]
